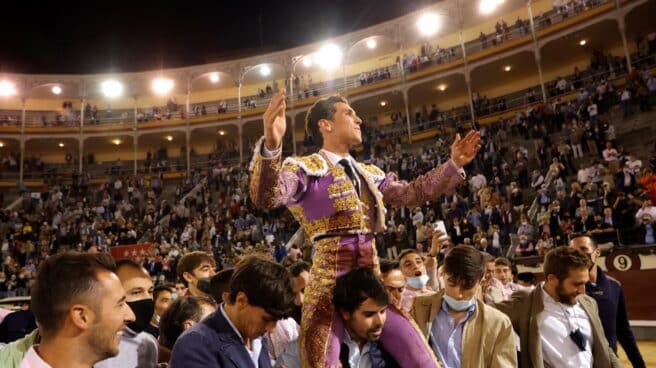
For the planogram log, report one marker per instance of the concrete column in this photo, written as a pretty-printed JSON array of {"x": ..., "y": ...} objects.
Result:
[
  {"x": 406, "y": 102},
  {"x": 81, "y": 153},
  {"x": 22, "y": 158},
  {"x": 538, "y": 62},
  {"x": 627, "y": 54},
  {"x": 471, "y": 99},
  {"x": 188, "y": 146},
  {"x": 135, "y": 140},
  {"x": 241, "y": 142}
]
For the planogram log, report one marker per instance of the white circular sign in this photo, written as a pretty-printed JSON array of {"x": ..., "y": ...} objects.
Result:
[{"x": 622, "y": 262}]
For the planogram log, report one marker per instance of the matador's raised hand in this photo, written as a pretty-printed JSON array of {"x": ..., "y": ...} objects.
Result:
[
  {"x": 464, "y": 150},
  {"x": 275, "y": 122}
]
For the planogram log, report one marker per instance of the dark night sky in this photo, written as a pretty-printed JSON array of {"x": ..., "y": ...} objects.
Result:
[{"x": 105, "y": 36}]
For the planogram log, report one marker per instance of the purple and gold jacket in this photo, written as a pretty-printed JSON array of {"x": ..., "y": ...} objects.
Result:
[{"x": 323, "y": 199}]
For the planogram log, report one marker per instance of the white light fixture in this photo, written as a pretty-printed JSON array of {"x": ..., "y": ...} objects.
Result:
[
  {"x": 222, "y": 132},
  {"x": 7, "y": 88},
  {"x": 61, "y": 144},
  {"x": 583, "y": 42},
  {"x": 169, "y": 138},
  {"x": 116, "y": 141},
  {"x": 442, "y": 87},
  {"x": 307, "y": 62},
  {"x": 56, "y": 90},
  {"x": 162, "y": 86},
  {"x": 265, "y": 70},
  {"x": 488, "y": 6},
  {"x": 383, "y": 103},
  {"x": 214, "y": 77},
  {"x": 428, "y": 24},
  {"x": 507, "y": 68},
  {"x": 111, "y": 88},
  {"x": 2, "y": 144},
  {"x": 329, "y": 57},
  {"x": 371, "y": 43}
]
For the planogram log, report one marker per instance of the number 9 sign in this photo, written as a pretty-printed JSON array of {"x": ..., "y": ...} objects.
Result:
[{"x": 622, "y": 261}]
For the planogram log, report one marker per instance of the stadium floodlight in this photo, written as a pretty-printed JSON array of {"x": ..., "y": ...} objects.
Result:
[
  {"x": 162, "y": 86},
  {"x": 169, "y": 138},
  {"x": 583, "y": 42},
  {"x": 442, "y": 87},
  {"x": 428, "y": 24},
  {"x": 7, "y": 88},
  {"x": 488, "y": 6},
  {"x": 61, "y": 144},
  {"x": 116, "y": 141},
  {"x": 329, "y": 57},
  {"x": 307, "y": 62},
  {"x": 111, "y": 88},
  {"x": 507, "y": 68},
  {"x": 56, "y": 90},
  {"x": 265, "y": 70},
  {"x": 214, "y": 77},
  {"x": 371, "y": 43}
]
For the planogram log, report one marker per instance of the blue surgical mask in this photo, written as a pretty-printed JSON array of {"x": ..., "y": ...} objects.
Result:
[
  {"x": 417, "y": 282},
  {"x": 459, "y": 305}
]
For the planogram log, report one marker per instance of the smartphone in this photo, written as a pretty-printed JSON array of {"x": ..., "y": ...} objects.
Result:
[{"x": 439, "y": 225}]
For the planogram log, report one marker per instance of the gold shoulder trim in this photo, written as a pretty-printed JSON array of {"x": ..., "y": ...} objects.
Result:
[{"x": 313, "y": 165}]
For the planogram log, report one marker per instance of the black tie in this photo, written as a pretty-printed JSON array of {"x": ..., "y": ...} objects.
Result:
[{"x": 349, "y": 171}]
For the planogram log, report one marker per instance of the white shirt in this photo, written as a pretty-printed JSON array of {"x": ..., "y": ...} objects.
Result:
[
  {"x": 33, "y": 360},
  {"x": 357, "y": 358},
  {"x": 557, "y": 322}
]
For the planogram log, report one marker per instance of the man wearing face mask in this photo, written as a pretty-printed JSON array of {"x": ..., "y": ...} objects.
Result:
[
  {"x": 137, "y": 348},
  {"x": 609, "y": 295},
  {"x": 461, "y": 329},
  {"x": 558, "y": 325},
  {"x": 420, "y": 275},
  {"x": 197, "y": 268}
]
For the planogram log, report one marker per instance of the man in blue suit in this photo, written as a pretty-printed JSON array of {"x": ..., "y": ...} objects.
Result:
[{"x": 260, "y": 294}]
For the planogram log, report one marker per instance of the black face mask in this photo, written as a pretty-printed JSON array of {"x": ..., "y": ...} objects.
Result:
[
  {"x": 204, "y": 285},
  {"x": 143, "y": 311}
]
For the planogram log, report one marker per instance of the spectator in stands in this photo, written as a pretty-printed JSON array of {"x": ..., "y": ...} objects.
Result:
[
  {"x": 194, "y": 268},
  {"x": 394, "y": 280},
  {"x": 163, "y": 296},
  {"x": 181, "y": 315},
  {"x": 420, "y": 276},
  {"x": 457, "y": 324},
  {"x": 609, "y": 295},
  {"x": 137, "y": 348},
  {"x": 260, "y": 294},
  {"x": 503, "y": 273},
  {"x": 569, "y": 331},
  {"x": 81, "y": 308}
]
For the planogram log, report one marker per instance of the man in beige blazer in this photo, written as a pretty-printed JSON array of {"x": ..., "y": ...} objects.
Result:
[
  {"x": 461, "y": 329},
  {"x": 558, "y": 325}
]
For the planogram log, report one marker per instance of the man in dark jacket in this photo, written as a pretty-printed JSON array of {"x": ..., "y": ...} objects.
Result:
[
  {"x": 609, "y": 295},
  {"x": 261, "y": 293}
]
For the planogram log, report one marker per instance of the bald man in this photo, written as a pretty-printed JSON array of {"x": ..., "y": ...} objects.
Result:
[{"x": 137, "y": 348}]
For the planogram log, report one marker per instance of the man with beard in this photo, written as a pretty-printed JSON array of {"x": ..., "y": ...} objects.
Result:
[
  {"x": 138, "y": 348},
  {"x": 361, "y": 300},
  {"x": 558, "y": 325},
  {"x": 609, "y": 295},
  {"x": 82, "y": 311}
]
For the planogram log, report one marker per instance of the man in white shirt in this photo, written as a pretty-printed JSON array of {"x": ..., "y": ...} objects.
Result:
[
  {"x": 646, "y": 209},
  {"x": 558, "y": 324},
  {"x": 82, "y": 311}
]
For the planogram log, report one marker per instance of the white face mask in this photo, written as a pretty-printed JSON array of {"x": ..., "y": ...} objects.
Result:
[{"x": 417, "y": 282}]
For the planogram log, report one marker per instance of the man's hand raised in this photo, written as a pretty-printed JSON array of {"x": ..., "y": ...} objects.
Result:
[
  {"x": 275, "y": 122},
  {"x": 464, "y": 150}
]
